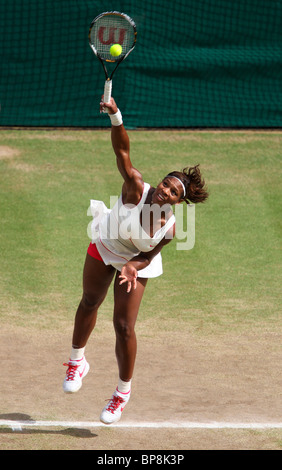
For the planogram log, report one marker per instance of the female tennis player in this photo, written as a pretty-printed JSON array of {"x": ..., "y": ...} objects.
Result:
[{"x": 128, "y": 243}]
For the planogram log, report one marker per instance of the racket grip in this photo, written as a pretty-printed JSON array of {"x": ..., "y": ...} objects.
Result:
[{"x": 107, "y": 93}]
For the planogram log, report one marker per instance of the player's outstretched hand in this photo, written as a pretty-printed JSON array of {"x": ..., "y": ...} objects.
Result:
[{"x": 128, "y": 274}]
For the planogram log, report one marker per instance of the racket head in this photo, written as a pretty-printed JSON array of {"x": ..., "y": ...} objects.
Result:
[{"x": 112, "y": 27}]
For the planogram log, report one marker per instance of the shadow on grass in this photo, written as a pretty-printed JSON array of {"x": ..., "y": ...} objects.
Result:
[{"x": 75, "y": 432}]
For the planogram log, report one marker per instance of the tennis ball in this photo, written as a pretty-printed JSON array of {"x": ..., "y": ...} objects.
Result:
[{"x": 115, "y": 50}]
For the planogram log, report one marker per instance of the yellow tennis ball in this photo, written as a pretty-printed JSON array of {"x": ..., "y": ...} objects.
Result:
[{"x": 116, "y": 50}]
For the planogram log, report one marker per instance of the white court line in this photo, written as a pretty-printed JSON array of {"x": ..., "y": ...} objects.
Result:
[{"x": 18, "y": 425}]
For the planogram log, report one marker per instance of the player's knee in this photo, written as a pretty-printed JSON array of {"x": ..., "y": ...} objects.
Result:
[
  {"x": 123, "y": 329},
  {"x": 90, "y": 302}
]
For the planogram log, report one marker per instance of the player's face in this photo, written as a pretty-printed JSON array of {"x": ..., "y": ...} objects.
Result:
[{"x": 169, "y": 191}]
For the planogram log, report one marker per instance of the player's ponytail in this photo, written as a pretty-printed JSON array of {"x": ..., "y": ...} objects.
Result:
[{"x": 196, "y": 190}]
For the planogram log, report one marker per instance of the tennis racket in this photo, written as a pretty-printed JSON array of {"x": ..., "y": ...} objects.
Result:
[{"x": 107, "y": 29}]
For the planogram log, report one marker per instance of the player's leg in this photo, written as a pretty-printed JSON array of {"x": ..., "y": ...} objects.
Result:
[
  {"x": 126, "y": 310},
  {"x": 96, "y": 280},
  {"x": 125, "y": 314}
]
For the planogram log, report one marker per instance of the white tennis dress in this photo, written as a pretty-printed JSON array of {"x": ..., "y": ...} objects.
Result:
[{"x": 119, "y": 236}]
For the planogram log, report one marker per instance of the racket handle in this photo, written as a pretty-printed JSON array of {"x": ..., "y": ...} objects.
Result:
[{"x": 107, "y": 93}]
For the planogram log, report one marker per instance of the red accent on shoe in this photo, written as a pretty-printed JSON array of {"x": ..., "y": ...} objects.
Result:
[
  {"x": 126, "y": 393},
  {"x": 114, "y": 403},
  {"x": 72, "y": 370}
]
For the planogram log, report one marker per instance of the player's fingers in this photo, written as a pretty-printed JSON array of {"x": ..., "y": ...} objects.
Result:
[
  {"x": 102, "y": 106},
  {"x": 123, "y": 280}
]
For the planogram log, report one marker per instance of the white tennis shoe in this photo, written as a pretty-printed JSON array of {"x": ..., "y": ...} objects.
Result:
[
  {"x": 113, "y": 410},
  {"x": 76, "y": 371}
]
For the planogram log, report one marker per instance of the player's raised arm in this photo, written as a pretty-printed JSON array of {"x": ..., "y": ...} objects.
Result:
[{"x": 121, "y": 145}]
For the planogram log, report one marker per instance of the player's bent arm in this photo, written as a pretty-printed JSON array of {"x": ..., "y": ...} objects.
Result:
[
  {"x": 129, "y": 271},
  {"x": 143, "y": 260}
]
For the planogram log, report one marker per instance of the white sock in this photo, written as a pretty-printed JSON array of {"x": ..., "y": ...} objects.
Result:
[
  {"x": 124, "y": 387},
  {"x": 77, "y": 354}
]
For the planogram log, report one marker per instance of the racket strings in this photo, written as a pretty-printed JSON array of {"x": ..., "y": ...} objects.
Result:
[{"x": 109, "y": 30}]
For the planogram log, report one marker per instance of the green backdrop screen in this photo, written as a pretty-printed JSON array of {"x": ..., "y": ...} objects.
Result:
[{"x": 197, "y": 63}]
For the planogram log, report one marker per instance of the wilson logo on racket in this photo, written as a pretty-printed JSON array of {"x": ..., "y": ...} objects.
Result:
[{"x": 111, "y": 36}]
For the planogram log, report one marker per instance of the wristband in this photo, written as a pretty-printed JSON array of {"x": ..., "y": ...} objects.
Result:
[{"x": 116, "y": 119}]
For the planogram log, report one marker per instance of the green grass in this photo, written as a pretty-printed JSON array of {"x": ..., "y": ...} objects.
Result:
[{"x": 230, "y": 279}]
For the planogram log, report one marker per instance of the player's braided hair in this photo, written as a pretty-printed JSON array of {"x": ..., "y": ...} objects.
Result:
[{"x": 194, "y": 184}]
